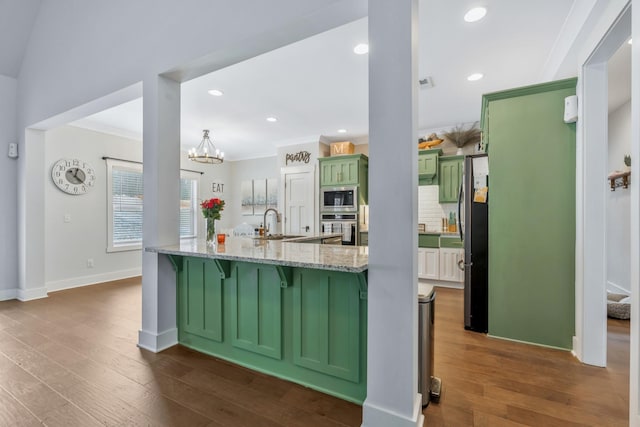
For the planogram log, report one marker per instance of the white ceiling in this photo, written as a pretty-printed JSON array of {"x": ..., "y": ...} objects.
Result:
[{"x": 318, "y": 85}]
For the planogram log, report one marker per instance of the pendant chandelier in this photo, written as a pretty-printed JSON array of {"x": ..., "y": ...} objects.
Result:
[{"x": 206, "y": 152}]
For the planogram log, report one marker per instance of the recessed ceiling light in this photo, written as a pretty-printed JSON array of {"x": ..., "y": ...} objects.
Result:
[
  {"x": 475, "y": 14},
  {"x": 342, "y": 131},
  {"x": 630, "y": 41},
  {"x": 272, "y": 119},
  {"x": 216, "y": 92},
  {"x": 361, "y": 49},
  {"x": 475, "y": 76}
]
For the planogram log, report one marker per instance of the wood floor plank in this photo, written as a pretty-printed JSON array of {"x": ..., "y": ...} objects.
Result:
[
  {"x": 37, "y": 397},
  {"x": 70, "y": 415},
  {"x": 13, "y": 413}
]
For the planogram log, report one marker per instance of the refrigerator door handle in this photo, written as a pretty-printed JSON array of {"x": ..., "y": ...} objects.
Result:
[{"x": 460, "y": 194}]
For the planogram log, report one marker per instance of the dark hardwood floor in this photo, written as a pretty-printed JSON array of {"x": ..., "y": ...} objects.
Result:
[{"x": 71, "y": 360}]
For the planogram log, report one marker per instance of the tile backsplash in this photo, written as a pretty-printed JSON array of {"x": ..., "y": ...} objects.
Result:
[{"x": 430, "y": 212}]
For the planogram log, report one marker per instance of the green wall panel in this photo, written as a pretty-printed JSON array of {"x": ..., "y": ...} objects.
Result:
[
  {"x": 256, "y": 309},
  {"x": 200, "y": 299},
  {"x": 326, "y": 328},
  {"x": 532, "y": 216}
]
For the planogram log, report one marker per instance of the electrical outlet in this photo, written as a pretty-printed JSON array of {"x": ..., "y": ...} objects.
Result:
[
  {"x": 90, "y": 263},
  {"x": 67, "y": 217}
]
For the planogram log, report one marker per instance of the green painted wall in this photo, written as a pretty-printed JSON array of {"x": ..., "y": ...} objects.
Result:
[{"x": 531, "y": 214}]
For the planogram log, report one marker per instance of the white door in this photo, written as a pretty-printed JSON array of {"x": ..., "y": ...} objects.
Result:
[{"x": 299, "y": 206}]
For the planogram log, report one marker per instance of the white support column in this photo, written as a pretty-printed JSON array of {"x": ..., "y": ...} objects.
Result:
[
  {"x": 31, "y": 182},
  {"x": 161, "y": 162},
  {"x": 392, "y": 361},
  {"x": 634, "y": 371}
]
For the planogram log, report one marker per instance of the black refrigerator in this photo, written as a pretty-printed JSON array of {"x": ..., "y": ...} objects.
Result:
[{"x": 473, "y": 214}]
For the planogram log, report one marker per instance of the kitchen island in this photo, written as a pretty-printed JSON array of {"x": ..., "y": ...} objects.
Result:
[{"x": 290, "y": 309}]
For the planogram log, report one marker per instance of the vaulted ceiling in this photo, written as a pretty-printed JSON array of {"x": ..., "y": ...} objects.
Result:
[{"x": 316, "y": 86}]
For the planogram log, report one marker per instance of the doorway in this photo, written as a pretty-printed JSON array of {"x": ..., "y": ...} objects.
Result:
[{"x": 299, "y": 206}]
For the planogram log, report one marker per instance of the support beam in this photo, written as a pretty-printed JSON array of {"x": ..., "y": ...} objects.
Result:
[
  {"x": 161, "y": 160},
  {"x": 392, "y": 361}
]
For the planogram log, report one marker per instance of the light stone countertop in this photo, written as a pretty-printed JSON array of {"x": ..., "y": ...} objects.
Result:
[{"x": 352, "y": 259}]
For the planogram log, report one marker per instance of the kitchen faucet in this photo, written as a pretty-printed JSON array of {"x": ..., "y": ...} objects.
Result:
[{"x": 264, "y": 220}]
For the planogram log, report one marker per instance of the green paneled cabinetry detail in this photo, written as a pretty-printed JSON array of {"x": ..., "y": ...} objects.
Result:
[
  {"x": 256, "y": 309},
  {"x": 532, "y": 165},
  {"x": 428, "y": 166},
  {"x": 342, "y": 170},
  {"x": 450, "y": 178},
  {"x": 200, "y": 300},
  {"x": 304, "y": 325},
  {"x": 326, "y": 323}
]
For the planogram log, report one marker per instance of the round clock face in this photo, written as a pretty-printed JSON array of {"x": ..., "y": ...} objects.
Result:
[{"x": 73, "y": 176}]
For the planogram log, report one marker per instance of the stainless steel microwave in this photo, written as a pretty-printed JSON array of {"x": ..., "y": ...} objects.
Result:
[{"x": 339, "y": 199}]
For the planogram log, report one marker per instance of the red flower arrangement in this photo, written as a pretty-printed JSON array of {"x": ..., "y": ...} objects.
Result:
[{"x": 211, "y": 208}]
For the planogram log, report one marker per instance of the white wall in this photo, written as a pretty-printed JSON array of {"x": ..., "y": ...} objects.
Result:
[
  {"x": 618, "y": 205},
  {"x": 8, "y": 191},
  {"x": 68, "y": 245}
]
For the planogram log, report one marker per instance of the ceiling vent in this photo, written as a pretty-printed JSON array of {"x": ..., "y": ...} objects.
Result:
[{"x": 427, "y": 82}]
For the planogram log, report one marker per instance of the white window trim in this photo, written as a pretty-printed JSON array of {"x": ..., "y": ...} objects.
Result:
[{"x": 137, "y": 167}]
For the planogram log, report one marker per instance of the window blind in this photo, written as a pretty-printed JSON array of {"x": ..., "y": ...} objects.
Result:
[
  {"x": 127, "y": 195},
  {"x": 188, "y": 200}
]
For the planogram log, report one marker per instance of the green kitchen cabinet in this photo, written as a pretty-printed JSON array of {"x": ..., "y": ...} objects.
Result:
[
  {"x": 326, "y": 323},
  {"x": 450, "y": 178},
  {"x": 200, "y": 301},
  {"x": 532, "y": 171},
  {"x": 428, "y": 166},
  {"x": 348, "y": 169},
  {"x": 303, "y": 325},
  {"x": 256, "y": 309}
]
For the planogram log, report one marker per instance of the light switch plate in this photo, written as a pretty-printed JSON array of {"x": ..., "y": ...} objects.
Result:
[{"x": 13, "y": 150}]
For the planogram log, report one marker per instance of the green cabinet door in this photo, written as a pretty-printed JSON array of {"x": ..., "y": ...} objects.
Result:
[
  {"x": 326, "y": 331},
  {"x": 343, "y": 170},
  {"x": 256, "y": 309},
  {"x": 428, "y": 166},
  {"x": 339, "y": 172},
  {"x": 449, "y": 178},
  {"x": 200, "y": 299}
]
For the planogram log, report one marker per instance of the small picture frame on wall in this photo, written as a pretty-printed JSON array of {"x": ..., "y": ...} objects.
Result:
[{"x": 422, "y": 228}]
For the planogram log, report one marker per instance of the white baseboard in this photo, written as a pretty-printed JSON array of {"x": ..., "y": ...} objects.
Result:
[
  {"x": 31, "y": 294},
  {"x": 157, "y": 342},
  {"x": 375, "y": 416},
  {"x": 7, "y": 294},
  {"x": 612, "y": 287},
  {"x": 75, "y": 282}
]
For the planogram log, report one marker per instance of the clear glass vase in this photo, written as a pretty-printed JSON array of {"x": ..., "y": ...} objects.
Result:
[{"x": 210, "y": 231}]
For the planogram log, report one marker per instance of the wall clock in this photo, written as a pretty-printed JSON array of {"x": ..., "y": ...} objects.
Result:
[{"x": 73, "y": 176}]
